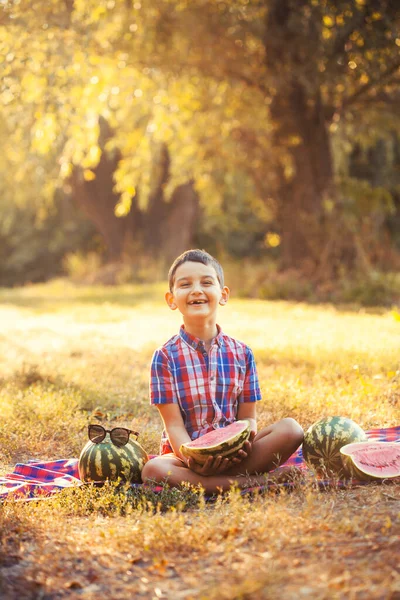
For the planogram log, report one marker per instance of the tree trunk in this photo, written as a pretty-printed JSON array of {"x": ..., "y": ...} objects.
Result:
[
  {"x": 161, "y": 231},
  {"x": 97, "y": 200},
  {"x": 180, "y": 225},
  {"x": 305, "y": 171}
]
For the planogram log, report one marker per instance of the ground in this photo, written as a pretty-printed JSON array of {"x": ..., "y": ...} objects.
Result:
[{"x": 67, "y": 352}]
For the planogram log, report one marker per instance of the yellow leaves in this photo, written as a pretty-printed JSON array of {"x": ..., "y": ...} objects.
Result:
[
  {"x": 66, "y": 170},
  {"x": 37, "y": 59},
  {"x": 124, "y": 205},
  {"x": 89, "y": 175},
  {"x": 92, "y": 157},
  {"x": 202, "y": 182},
  {"x": 392, "y": 374},
  {"x": 272, "y": 239},
  {"x": 32, "y": 87},
  {"x": 89, "y": 12},
  {"x": 328, "y": 21},
  {"x": 395, "y": 313},
  {"x": 294, "y": 140},
  {"x": 44, "y": 133}
]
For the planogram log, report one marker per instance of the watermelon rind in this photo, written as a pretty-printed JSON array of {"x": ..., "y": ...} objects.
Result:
[
  {"x": 323, "y": 440},
  {"x": 105, "y": 461},
  {"x": 226, "y": 448},
  {"x": 371, "y": 461}
]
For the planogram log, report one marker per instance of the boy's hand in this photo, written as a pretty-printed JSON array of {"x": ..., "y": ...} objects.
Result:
[
  {"x": 213, "y": 466},
  {"x": 244, "y": 452},
  {"x": 218, "y": 464}
]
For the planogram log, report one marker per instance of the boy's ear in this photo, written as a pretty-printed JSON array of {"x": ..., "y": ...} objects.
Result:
[
  {"x": 170, "y": 300},
  {"x": 224, "y": 296}
]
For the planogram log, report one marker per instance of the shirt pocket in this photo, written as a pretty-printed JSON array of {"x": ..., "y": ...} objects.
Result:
[{"x": 231, "y": 382}]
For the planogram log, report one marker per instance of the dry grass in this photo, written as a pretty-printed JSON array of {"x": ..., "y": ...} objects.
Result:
[{"x": 66, "y": 350}]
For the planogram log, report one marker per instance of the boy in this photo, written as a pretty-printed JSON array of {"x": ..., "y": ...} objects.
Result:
[{"x": 202, "y": 379}]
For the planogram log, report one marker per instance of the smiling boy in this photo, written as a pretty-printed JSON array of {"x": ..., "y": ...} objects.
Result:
[{"x": 203, "y": 379}]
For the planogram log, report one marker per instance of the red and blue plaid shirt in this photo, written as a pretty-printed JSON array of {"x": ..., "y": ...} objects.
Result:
[{"x": 207, "y": 386}]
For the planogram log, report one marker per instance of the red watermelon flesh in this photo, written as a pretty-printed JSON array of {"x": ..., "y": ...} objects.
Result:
[
  {"x": 224, "y": 441},
  {"x": 372, "y": 460}
]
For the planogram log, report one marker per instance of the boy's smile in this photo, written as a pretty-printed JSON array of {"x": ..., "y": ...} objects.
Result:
[{"x": 196, "y": 292}]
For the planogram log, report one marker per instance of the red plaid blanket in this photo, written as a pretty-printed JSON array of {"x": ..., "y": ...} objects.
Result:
[{"x": 34, "y": 480}]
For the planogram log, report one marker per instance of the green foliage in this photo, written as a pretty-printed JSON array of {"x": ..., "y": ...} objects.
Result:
[
  {"x": 361, "y": 200},
  {"x": 114, "y": 499},
  {"x": 378, "y": 289},
  {"x": 33, "y": 243},
  {"x": 196, "y": 77}
]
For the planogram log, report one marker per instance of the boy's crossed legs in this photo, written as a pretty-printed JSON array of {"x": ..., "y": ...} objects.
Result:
[{"x": 271, "y": 447}]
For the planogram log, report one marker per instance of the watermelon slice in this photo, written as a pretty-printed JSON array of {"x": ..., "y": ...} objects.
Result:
[
  {"x": 371, "y": 460},
  {"x": 225, "y": 442}
]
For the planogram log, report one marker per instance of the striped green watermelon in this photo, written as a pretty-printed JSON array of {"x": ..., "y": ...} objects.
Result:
[
  {"x": 99, "y": 462},
  {"x": 225, "y": 442},
  {"x": 323, "y": 440}
]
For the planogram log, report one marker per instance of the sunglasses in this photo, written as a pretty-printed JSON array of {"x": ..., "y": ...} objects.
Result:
[{"x": 119, "y": 435}]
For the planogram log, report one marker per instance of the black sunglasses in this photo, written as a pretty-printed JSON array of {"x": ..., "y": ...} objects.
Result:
[{"x": 119, "y": 435}]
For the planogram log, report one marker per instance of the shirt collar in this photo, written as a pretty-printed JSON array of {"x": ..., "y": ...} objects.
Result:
[{"x": 195, "y": 342}]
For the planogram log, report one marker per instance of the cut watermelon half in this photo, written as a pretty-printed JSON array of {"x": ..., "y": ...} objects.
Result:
[
  {"x": 224, "y": 442},
  {"x": 371, "y": 460}
]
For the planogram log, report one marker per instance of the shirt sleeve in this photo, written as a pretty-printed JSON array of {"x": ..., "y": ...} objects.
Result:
[
  {"x": 251, "y": 388},
  {"x": 162, "y": 384}
]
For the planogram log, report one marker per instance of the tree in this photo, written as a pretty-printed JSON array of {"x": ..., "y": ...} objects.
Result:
[
  {"x": 259, "y": 89},
  {"x": 326, "y": 69}
]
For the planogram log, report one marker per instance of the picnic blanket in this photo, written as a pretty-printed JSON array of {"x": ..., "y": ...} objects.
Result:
[{"x": 41, "y": 479}]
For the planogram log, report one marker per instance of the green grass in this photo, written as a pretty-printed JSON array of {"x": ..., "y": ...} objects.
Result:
[{"x": 67, "y": 350}]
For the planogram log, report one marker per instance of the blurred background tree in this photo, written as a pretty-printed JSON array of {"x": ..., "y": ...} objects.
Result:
[{"x": 258, "y": 129}]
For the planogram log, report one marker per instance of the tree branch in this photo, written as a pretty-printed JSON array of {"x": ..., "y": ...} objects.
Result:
[
  {"x": 364, "y": 89},
  {"x": 341, "y": 40}
]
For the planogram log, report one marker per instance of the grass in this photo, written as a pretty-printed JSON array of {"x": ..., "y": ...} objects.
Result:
[{"x": 67, "y": 351}]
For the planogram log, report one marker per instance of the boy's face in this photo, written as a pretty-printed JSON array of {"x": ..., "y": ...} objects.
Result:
[{"x": 196, "y": 292}]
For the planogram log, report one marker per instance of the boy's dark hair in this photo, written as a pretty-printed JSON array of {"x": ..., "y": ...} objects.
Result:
[{"x": 196, "y": 255}]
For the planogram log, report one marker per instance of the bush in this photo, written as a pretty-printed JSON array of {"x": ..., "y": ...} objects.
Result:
[{"x": 377, "y": 289}]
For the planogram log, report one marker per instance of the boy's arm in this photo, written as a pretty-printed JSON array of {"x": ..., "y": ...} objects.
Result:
[
  {"x": 174, "y": 426},
  {"x": 251, "y": 394},
  {"x": 247, "y": 410}
]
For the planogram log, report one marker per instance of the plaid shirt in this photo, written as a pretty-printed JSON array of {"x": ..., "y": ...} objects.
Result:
[{"x": 207, "y": 386}]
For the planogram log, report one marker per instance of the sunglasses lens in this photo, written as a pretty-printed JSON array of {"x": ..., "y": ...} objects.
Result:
[
  {"x": 119, "y": 436},
  {"x": 96, "y": 433}
]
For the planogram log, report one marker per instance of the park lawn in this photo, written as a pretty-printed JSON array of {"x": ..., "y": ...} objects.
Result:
[{"x": 67, "y": 351}]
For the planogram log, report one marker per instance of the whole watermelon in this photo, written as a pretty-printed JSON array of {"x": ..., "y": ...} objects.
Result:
[
  {"x": 323, "y": 440},
  {"x": 99, "y": 462}
]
